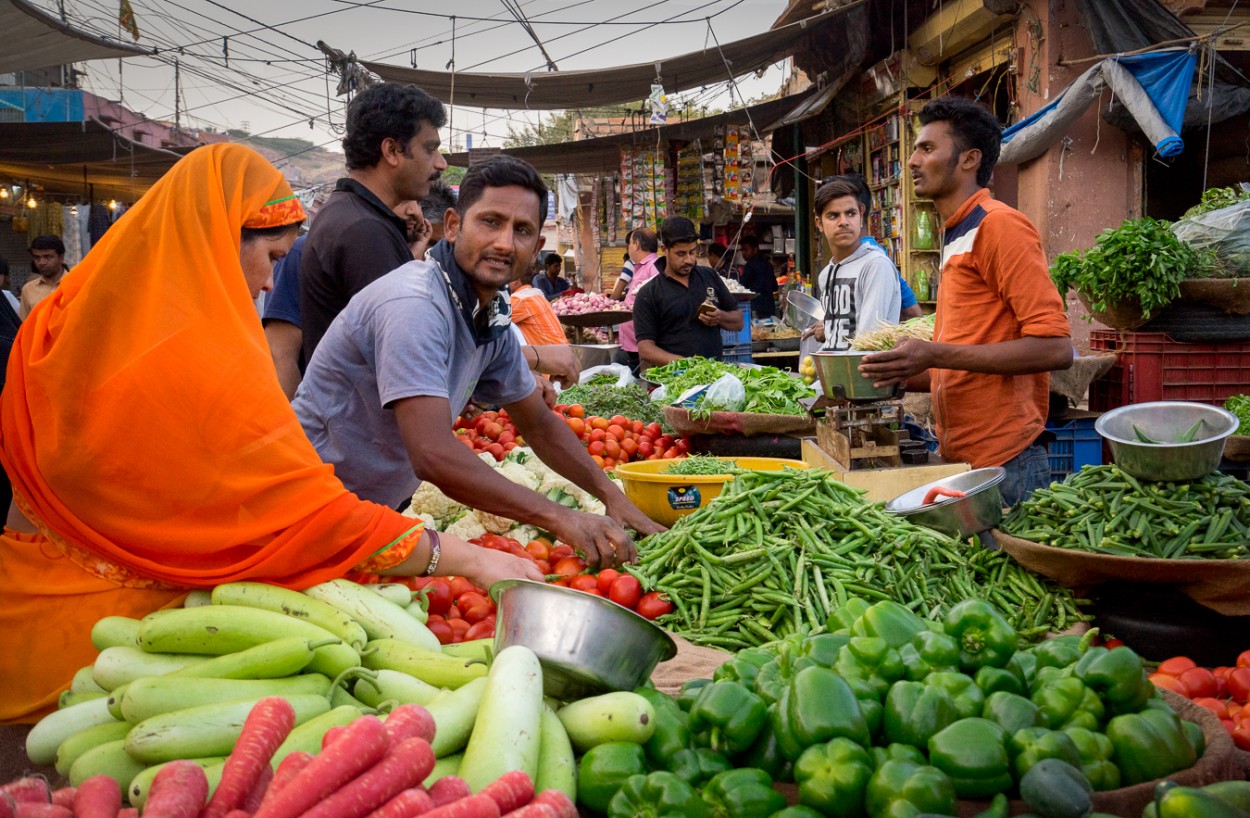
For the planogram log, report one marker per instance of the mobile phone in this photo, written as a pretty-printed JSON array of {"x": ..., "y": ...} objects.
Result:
[{"x": 706, "y": 308}]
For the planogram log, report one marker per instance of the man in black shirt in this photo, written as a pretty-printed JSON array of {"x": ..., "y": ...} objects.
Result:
[
  {"x": 681, "y": 312},
  {"x": 392, "y": 152},
  {"x": 759, "y": 278}
]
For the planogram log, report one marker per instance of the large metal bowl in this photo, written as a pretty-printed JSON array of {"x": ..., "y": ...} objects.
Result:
[
  {"x": 586, "y": 644},
  {"x": 979, "y": 510},
  {"x": 840, "y": 377},
  {"x": 803, "y": 311},
  {"x": 1166, "y": 421}
]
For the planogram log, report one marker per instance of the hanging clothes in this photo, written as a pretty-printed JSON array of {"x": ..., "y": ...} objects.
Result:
[
  {"x": 99, "y": 221},
  {"x": 84, "y": 227},
  {"x": 70, "y": 235}
]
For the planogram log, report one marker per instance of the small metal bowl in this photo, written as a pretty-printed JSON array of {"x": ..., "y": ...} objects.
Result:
[
  {"x": 961, "y": 517},
  {"x": 840, "y": 377},
  {"x": 803, "y": 311},
  {"x": 1165, "y": 421},
  {"x": 586, "y": 644}
]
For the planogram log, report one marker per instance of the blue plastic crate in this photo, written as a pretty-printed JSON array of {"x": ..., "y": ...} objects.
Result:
[
  {"x": 742, "y": 336},
  {"x": 1076, "y": 444},
  {"x": 740, "y": 354},
  {"x": 918, "y": 432}
]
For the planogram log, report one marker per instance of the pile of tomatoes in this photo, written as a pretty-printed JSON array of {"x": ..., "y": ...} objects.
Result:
[
  {"x": 1225, "y": 691},
  {"x": 620, "y": 440},
  {"x": 622, "y": 588},
  {"x": 491, "y": 432}
]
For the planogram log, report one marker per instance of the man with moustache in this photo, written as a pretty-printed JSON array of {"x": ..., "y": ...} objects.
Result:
[
  {"x": 987, "y": 367},
  {"x": 392, "y": 152},
  {"x": 414, "y": 347},
  {"x": 681, "y": 312}
]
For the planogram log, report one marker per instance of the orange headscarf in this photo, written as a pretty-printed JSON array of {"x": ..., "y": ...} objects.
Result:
[{"x": 142, "y": 421}]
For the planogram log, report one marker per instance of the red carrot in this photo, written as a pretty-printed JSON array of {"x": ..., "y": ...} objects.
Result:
[
  {"x": 512, "y": 790},
  {"x": 362, "y": 744},
  {"x": 475, "y": 806},
  {"x": 8, "y": 807},
  {"x": 448, "y": 789},
  {"x": 99, "y": 796},
  {"x": 31, "y": 789},
  {"x": 238, "y": 813},
  {"x": 405, "y": 765},
  {"x": 411, "y": 802},
  {"x": 932, "y": 494},
  {"x": 34, "y": 809},
  {"x": 129, "y": 812},
  {"x": 178, "y": 791},
  {"x": 559, "y": 801},
  {"x": 288, "y": 768},
  {"x": 257, "y": 795},
  {"x": 64, "y": 797},
  {"x": 266, "y": 726},
  {"x": 409, "y": 721},
  {"x": 534, "y": 809},
  {"x": 332, "y": 735}
]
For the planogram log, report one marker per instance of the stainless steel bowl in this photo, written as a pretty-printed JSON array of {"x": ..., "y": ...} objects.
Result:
[
  {"x": 803, "y": 311},
  {"x": 586, "y": 644},
  {"x": 840, "y": 378},
  {"x": 979, "y": 510},
  {"x": 1167, "y": 421}
]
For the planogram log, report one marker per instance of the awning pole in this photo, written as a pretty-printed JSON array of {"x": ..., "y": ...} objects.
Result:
[{"x": 802, "y": 207}]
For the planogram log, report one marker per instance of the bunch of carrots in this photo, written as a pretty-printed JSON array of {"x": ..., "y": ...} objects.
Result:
[{"x": 366, "y": 769}]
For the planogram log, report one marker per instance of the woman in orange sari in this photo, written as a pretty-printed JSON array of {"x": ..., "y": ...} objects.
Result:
[{"x": 151, "y": 447}]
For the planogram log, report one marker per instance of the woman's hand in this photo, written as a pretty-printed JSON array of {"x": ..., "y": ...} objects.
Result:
[{"x": 496, "y": 565}]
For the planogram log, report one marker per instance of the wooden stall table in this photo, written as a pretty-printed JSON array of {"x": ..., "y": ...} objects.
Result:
[{"x": 605, "y": 318}]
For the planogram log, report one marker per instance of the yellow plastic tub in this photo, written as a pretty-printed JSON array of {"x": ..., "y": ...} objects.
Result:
[{"x": 666, "y": 498}]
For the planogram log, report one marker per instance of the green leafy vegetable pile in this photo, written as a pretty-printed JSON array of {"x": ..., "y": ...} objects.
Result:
[
  {"x": 1216, "y": 198},
  {"x": 607, "y": 399},
  {"x": 1239, "y": 405},
  {"x": 769, "y": 390}
]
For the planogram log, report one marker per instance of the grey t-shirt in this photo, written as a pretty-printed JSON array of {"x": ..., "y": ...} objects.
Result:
[{"x": 399, "y": 337}]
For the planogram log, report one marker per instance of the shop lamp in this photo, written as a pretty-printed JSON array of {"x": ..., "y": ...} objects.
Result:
[
  {"x": 31, "y": 203},
  {"x": 112, "y": 204},
  {"x": 4, "y": 193}
]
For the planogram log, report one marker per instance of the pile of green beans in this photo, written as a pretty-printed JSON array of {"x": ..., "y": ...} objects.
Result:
[
  {"x": 702, "y": 465},
  {"x": 1103, "y": 510},
  {"x": 778, "y": 550}
]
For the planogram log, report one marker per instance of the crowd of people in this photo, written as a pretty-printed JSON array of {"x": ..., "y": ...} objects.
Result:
[{"x": 161, "y": 436}]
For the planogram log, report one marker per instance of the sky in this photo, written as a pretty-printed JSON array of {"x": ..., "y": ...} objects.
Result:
[{"x": 255, "y": 66}]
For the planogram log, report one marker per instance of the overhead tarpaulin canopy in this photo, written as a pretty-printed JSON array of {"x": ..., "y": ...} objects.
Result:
[
  {"x": 1153, "y": 87},
  {"x": 562, "y": 90},
  {"x": 603, "y": 155},
  {"x": 35, "y": 39},
  {"x": 65, "y": 157}
]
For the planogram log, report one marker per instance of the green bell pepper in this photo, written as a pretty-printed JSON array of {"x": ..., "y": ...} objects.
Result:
[
  {"x": 1095, "y": 750},
  {"x": 657, "y": 795},
  {"x": 729, "y": 715},
  {"x": 890, "y": 621},
  {"x": 915, "y": 712},
  {"x": 1172, "y": 801},
  {"x": 833, "y": 778},
  {"x": 1197, "y": 738},
  {"x": 928, "y": 652},
  {"x": 797, "y": 811},
  {"x": 973, "y": 752},
  {"x": 843, "y": 617},
  {"x": 742, "y": 793},
  {"x": 1000, "y": 807},
  {"x": 672, "y": 728},
  {"x": 968, "y": 698},
  {"x": 869, "y": 696},
  {"x": 1011, "y": 712},
  {"x": 818, "y": 706},
  {"x": 896, "y": 752},
  {"x": 604, "y": 768},
  {"x": 1030, "y": 745},
  {"x": 1149, "y": 745},
  {"x": 985, "y": 637},
  {"x": 870, "y": 658},
  {"x": 744, "y": 667},
  {"x": 765, "y": 754},
  {"x": 698, "y": 765},
  {"x": 823, "y": 648},
  {"x": 903, "y": 789},
  {"x": 1067, "y": 702},
  {"x": 1058, "y": 652},
  {"x": 994, "y": 679},
  {"x": 689, "y": 692},
  {"x": 776, "y": 676},
  {"x": 1024, "y": 665},
  {"x": 1117, "y": 676}
]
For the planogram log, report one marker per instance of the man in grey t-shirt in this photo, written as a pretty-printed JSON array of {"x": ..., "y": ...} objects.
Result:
[{"x": 412, "y": 348}]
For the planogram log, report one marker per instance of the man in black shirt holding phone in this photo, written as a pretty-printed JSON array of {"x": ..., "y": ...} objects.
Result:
[{"x": 681, "y": 312}]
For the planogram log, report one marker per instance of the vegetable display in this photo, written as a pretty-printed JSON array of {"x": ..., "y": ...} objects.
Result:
[
  {"x": 621, "y": 439},
  {"x": 1239, "y": 405},
  {"x": 1216, "y": 198},
  {"x": 490, "y": 432},
  {"x": 1225, "y": 691},
  {"x": 607, "y": 400},
  {"x": 583, "y": 303},
  {"x": 701, "y": 465},
  {"x": 768, "y": 390},
  {"x": 1103, "y": 510},
  {"x": 779, "y": 551},
  {"x": 888, "y": 336}
]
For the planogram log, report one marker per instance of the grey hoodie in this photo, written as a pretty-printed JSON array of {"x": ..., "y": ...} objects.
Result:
[{"x": 859, "y": 294}]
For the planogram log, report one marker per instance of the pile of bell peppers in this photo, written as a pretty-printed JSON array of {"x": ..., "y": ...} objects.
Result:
[
  {"x": 1225, "y": 691},
  {"x": 887, "y": 715}
]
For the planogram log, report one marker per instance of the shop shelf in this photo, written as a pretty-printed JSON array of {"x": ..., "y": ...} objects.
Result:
[
  {"x": 1076, "y": 444},
  {"x": 1151, "y": 366}
]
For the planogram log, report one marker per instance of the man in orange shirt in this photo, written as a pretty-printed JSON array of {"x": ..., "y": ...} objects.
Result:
[
  {"x": 1001, "y": 326},
  {"x": 533, "y": 315}
]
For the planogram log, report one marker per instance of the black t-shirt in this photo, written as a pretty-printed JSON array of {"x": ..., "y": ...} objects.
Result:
[
  {"x": 355, "y": 240},
  {"x": 758, "y": 277},
  {"x": 665, "y": 312}
]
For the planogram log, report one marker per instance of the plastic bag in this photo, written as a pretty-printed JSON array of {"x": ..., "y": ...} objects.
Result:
[
  {"x": 1226, "y": 231},
  {"x": 726, "y": 394},
  {"x": 623, "y": 376},
  {"x": 659, "y": 394}
]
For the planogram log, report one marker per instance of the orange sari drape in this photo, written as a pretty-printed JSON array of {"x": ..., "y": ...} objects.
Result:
[{"x": 145, "y": 432}]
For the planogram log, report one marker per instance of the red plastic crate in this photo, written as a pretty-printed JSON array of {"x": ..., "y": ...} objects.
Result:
[{"x": 1151, "y": 366}]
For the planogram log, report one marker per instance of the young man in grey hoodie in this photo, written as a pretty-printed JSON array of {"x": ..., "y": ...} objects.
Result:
[{"x": 859, "y": 287}]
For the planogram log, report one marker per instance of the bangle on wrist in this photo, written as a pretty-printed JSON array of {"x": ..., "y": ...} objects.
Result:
[
  {"x": 436, "y": 551},
  {"x": 538, "y": 361}
]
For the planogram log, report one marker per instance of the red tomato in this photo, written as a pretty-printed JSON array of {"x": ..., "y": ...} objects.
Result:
[
  {"x": 538, "y": 549},
  {"x": 441, "y": 631},
  {"x": 496, "y": 451},
  {"x": 577, "y": 411},
  {"x": 653, "y": 430},
  {"x": 506, "y": 439},
  {"x": 1113, "y": 643},
  {"x": 645, "y": 447},
  {"x": 560, "y": 408},
  {"x": 606, "y": 577},
  {"x": 543, "y": 566},
  {"x": 471, "y": 599},
  {"x": 671, "y": 453},
  {"x": 1166, "y": 682},
  {"x": 560, "y": 551},
  {"x": 627, "y": 591},
  {"x": 480, "y": 630},
  {"x": 1199, "y": 682},
  {"x": 653, "y": 606},
  {"x": 1241, "y": 734},
  {"x": 1176, "y": 665},
  {"x": 577, "y": 425},
  {"x": 459, "y": 628},
  {"x": 570, "y": 566},
  {"x": 477, "y": 613},
  {"x": 637, "y": 427},
  {"x": 1239, "y": 684},
  {"x": 616, "y": 432},
  {"x": 1214, "y": 705},
  {"x": 595, "y": 448},
  {"x": 461, "y": 586},
  {"x": 584, "y": 582},
  {"x": 629, "y": 446},
  {"x": 439, "y": 596},
  {"x": 611, "y": 449},
  {"x": 592, "y": 592},
  {"x": 1243, "y": 659},
  {"x": 453, "y": 613}
]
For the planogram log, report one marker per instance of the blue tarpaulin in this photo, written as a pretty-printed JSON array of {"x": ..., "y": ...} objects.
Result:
[{"x": 1166, "y": 78}]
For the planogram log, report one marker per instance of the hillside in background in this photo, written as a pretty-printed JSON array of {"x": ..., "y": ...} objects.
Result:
[{"x": 303, "y": 163}]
